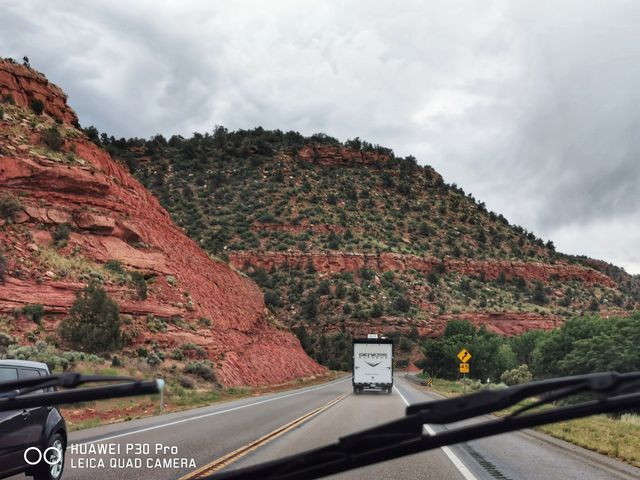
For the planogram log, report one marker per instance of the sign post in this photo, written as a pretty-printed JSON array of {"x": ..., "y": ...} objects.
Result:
[{"x": 464, "y": 356}]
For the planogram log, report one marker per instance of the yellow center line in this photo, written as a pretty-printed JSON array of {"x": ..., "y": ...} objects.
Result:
[{"x": 236, "y": 455}]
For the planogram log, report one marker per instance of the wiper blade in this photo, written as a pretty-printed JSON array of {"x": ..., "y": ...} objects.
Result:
[
  {"x": 405, "y": 436},
  {"x": 13, "y": 388},
  {"x": 18, "y": 394}
]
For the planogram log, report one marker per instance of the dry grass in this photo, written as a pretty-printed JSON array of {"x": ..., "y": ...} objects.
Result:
[
  {"x": 72, "y": 267},
  {"x": 615, "y": 438},
  {"x": 602, "y": 434}
]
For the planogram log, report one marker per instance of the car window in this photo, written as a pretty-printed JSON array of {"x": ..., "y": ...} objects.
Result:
[
  {"x": 44, "y": 373},
  {"x": 29, "y": 373},
  {"x": 7, "y": 374}
]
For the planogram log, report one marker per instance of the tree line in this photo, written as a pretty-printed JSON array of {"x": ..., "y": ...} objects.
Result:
[{"x": 581, "y": 345}]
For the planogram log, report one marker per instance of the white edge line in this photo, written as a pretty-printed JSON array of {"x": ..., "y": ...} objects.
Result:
[
  {"x": 466, "y": 473},
  {"x": 210, "y": 414},
  {"x": 401, "y": 396}
]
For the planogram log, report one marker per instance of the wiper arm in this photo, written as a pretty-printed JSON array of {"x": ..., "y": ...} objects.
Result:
[
  {"x": 18, "y": 394},
  {"x": 405, "y": 436}
]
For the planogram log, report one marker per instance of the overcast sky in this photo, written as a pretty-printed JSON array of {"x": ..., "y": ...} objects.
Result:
[{"x": 534, "y": 107}]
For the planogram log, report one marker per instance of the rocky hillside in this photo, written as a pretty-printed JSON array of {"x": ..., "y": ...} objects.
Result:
[
  {"x": 345, "y": 239},
  {"x": 69, "y": 214}
]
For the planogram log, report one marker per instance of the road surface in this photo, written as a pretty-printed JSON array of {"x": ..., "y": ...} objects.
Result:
[{"x": 180, "y": 443}]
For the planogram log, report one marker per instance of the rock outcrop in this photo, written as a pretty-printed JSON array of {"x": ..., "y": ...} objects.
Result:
[
  {"x": 335, "y": 262},
  {"x": 113, "y": 217},
  {"x": 342, "y": 156},
  {"x": 504, "y": 323},
  {"x": 24, "y": 85}
]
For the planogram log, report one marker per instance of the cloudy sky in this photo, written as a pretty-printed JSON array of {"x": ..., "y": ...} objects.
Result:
[{"x": 534, "y": 107}]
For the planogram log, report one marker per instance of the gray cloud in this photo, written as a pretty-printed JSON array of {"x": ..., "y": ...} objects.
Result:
[{"x": 532, "y": 107}]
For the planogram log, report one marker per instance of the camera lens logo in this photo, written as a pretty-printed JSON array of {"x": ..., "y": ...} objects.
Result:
[{"x": 51, "y": 456}]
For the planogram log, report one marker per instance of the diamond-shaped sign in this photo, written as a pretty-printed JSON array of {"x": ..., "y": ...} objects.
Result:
[{"x": 464, "y": 355}]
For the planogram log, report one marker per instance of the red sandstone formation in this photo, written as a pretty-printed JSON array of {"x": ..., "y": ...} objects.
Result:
[
  {"x": 339, "y": 155},
  {"x": 335, "y": 262},
  {"x": 504, "y": 323},
  {"x": 25, "y": 85},
  {"x": 320, "y": 229},
  {"x": 115, "y": 218}
]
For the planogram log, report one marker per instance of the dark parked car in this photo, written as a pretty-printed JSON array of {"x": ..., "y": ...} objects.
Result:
[{"x": 33, "y": 429}]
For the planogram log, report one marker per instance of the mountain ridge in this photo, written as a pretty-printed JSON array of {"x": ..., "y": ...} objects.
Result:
[{"x": 347, "y": 237}]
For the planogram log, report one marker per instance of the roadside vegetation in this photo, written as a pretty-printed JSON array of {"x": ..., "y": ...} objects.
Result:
[
  {"x": 617, "y": 436},
  {"x": 581, "y": 345},
  {"x": 189, "y": 383}
]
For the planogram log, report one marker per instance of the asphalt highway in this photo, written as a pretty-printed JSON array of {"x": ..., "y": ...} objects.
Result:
[{"x": 173, "y": 445}]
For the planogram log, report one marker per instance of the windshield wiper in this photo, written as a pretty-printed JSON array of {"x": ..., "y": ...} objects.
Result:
[
  {"x": 19, "y": 394},
  {"x": 613, "y": 392}
]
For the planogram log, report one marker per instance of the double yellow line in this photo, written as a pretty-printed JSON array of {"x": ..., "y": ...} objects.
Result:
[{"x": 236, "y": 455}]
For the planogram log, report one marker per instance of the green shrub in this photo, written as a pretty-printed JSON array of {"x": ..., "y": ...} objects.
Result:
[
  {"x": 37, "y": 106},
  {"x": 177, "y": 354},
  {"x": 9, "y": 206},
  {"x": 205, "y": 322},
  {"x": 55, "y": 359},
  {"x": 140, "y": 284},
  {"x": 272, "y": 299},
  {"x": 93, "y": 323},
  {"x": 156, "y": 325},
  {"x": 61, "y": 234},
  {"x": 377, "y": 310},
  {"x": 154, "y": 360},
  {"x": 185, "y": 382},
  {"x": 516, "y": 376},
  {"x": 323, "y": 288},
  {"x": 114, "y": 266},
  {"x": 6, "y": 341},
  {"x": 34, "y": 312},
  {"x": 52, "y": 138},
  {"x": 539, "y": 295},
  {"x": 310, "y": 306},
  {"x": 201, "y": 369},
  {"x": 402, "y": 304},
  {"x": 193, "y": 351},
  {"x": 3, "y": 267}
]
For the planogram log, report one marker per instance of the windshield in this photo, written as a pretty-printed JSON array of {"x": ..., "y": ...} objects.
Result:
[{"x": 271, "y": 239}]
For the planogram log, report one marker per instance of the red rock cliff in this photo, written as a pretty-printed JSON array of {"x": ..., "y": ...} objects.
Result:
[
  {"x": 113, "y": 217},
  {"x": 334, "y": 262},
  {"x": 25, "y": 85}
]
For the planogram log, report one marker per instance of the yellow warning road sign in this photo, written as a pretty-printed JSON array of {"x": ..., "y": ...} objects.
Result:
[
  {"x": 464, "y": 368},
  {"x": 464, "y": 355}
]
